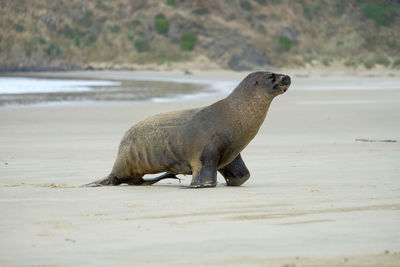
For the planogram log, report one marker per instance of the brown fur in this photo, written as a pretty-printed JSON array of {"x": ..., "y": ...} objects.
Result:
[{"x": 198, "y": 141}]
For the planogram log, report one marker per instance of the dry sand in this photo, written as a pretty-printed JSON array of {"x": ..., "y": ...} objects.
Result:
[{"x": 316, "y": 197}]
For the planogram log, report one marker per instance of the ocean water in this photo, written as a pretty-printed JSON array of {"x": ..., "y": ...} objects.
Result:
[
  {"x": 24, "y": 85},
  {"x": 17, "y": 91}
]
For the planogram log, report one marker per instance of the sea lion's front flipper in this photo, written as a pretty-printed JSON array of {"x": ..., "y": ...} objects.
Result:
[
  {"x": 236, "y": 172},
  {"x": 205, "y": 176},
  {"x": 205, "y": 172}
]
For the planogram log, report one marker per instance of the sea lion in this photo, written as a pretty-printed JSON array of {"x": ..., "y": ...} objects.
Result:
[{"x": 198, "y": 141}]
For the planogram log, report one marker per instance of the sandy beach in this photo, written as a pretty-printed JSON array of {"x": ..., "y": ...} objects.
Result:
[{"x": 320, "y": 193}]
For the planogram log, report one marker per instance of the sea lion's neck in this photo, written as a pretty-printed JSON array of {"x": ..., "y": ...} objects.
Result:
[{"x": 247, "y": 112}]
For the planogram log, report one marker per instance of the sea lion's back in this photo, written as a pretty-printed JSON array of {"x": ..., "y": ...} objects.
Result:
[{"x": 155, "y": 142}]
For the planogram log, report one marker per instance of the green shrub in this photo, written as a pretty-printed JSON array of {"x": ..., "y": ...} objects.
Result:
[
  {"x": 141, "y": 46},
  {"x": 261, "y": 29},
  {"x": 339, "y": 43},
  {"x": 378, "y": 12},
  {"x": 285, "y": 43},
  {"x": 396, "y": 64},
  {"x": 135, "y": 23},
  {"x": 310, "y": 57},
  {"x": 140, "y": 34},
  {"x": 91, "y": 39},
  {"x": 201, "y": 11},
  {"x": 246, "y": 5},
  {"x": 369, "y": 64},
  {"x": 77, "y": 42},
  {"x": 67, "y": 32},
  {"x": 74, "y": 35},
  {"x": 326, "y": 61},
  {"x": 171, "y": 2},
  {"x": 53, "y": 49},
  {"x": 350, "y": 63},
  {"x": 161, "y": 23},
  {"x": 42, "y": 41},
  {"x": 340, "y": 7},
  {"x": 188, "y": 41},
  {"x": 19, "y": 28},
  {"x": 136, "y": 34},
  {"x": 307, "y": 13},
  {"x": 261, "y": 2},
  {"x": 114, "y": 29},
  {"x": 382, "y": 60},
  {"x": 86, "y": 20}
]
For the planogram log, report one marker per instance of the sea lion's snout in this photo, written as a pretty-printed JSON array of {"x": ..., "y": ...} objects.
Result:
[
  {"x": 284, "y": 83},
  {"x": 285, "y": 80}
]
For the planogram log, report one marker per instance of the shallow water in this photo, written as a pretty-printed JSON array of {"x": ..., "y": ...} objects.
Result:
[
  {"x": 26, "y": 91},
  {"x": 26, "y": 85}
]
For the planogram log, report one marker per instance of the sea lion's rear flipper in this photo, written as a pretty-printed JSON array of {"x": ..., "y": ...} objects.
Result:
[
  {"x": 107, "y": 180},
  {"x": 151, "y": 181},
  {"x": 113, "y": 180},
  {"x": 236, "y": 172},
  {"x": 103, "y": 181}
]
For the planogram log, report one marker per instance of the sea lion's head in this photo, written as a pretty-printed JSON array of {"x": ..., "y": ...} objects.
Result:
[
  {"x": 263, "y": 84},
  {"x": 269, "y": 83}
]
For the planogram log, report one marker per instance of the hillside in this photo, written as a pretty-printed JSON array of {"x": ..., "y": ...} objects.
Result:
[{"x": 231, "y": 34}]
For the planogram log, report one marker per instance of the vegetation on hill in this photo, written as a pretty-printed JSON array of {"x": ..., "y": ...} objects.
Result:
[{"x": 235, "y": 34}]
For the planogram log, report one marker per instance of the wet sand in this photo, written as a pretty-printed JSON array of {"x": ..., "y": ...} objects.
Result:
[{"x": 316, "y": 196}]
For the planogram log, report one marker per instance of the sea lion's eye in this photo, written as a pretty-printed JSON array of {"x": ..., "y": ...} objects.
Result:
[
  {"x": 273, "y": 79},
  {"x": 256, "y": 83}
]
